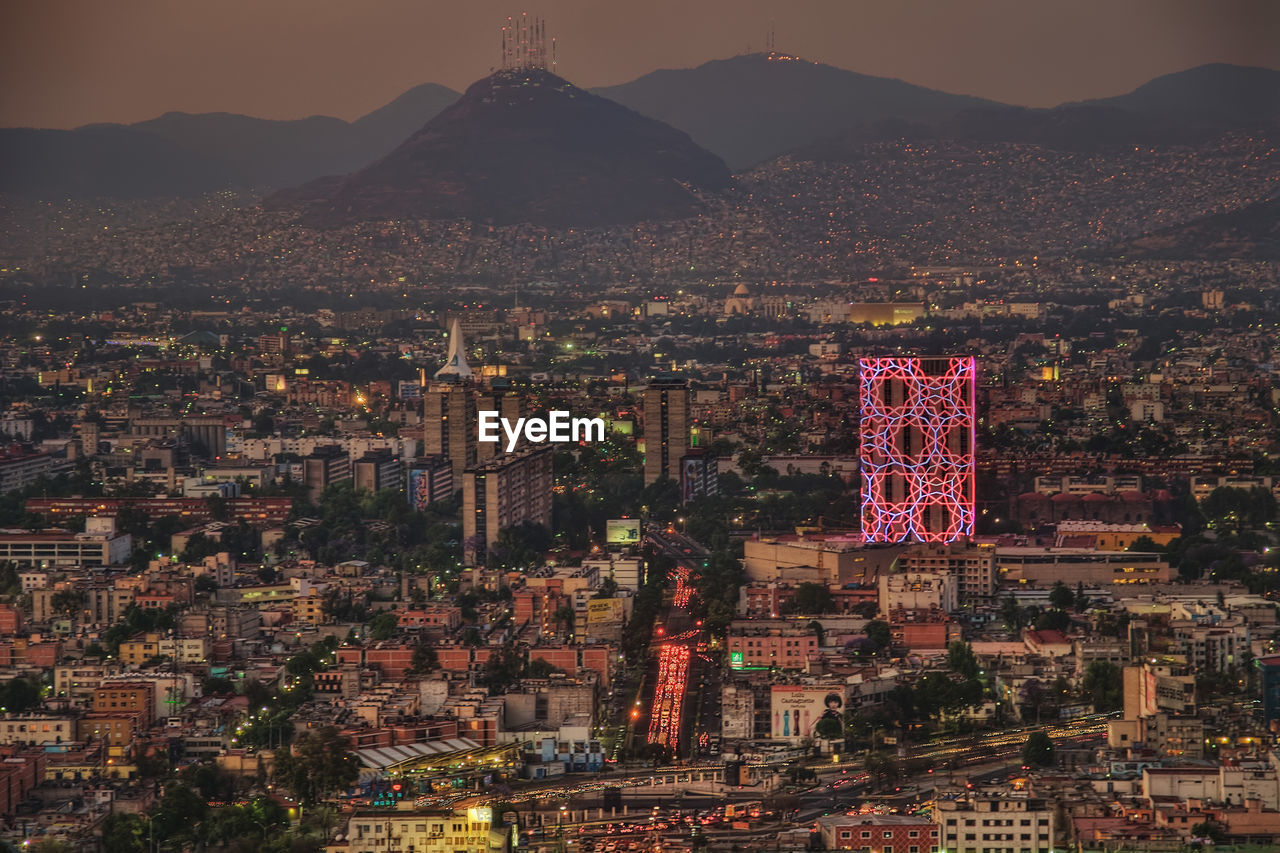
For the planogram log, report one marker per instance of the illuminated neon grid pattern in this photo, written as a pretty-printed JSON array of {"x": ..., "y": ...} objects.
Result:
[{"x": 917, "y": 448}]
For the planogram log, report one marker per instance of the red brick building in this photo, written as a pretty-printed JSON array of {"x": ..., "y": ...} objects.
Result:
[
  {"x": 879, "y": 833},
  {"x": 10, "y": 620},
  {"x": 20, "y": 771}
]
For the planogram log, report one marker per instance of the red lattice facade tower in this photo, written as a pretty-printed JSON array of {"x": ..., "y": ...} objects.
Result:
[{"x": 917, "y": 436}]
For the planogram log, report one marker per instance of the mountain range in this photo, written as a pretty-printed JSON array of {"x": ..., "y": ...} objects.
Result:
[
  {"x": 752, "y": 108},
  {"x": 184, "y": 153},
  {"x": 746, "y": 110}
]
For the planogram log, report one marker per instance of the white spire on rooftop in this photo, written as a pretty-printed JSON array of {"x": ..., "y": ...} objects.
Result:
[{"x": 455, "y": 363}]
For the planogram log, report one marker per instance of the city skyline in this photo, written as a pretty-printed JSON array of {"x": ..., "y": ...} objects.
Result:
[
  {"x": 284, "y": 62},
  {"x": 757, "y": 457}
]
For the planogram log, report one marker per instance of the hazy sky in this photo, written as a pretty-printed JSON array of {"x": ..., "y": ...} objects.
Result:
[{"x": 69, "y": 62}]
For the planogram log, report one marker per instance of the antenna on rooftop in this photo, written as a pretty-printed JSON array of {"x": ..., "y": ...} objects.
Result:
[{"x": 524, "y": 44}]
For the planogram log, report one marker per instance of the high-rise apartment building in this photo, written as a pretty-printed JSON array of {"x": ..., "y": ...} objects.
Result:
[
  {"x": 430, "y": 480},
  {"x": 666, "y": 427},
  {"x": 917, "y": 458},
  {"x": 449, "y": 409},
  {"x": 327, "y": 465},
  {"x": 450, "y": 426},
  {"x": 699, "y": 475},
  {"x": 379, "y": 470},
  {"x": 505, "y": 491}
]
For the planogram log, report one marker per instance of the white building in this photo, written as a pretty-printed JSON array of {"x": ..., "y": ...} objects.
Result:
[
  {"x": 918, "y": 591},
  {"x": 995, "y": 820}
]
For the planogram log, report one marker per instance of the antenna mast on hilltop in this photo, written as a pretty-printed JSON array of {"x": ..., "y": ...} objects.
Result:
[{"x": 524, "y": 44}]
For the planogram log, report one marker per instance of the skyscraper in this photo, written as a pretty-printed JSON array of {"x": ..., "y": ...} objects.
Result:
[
  {"x": 449, "y": 408},
  {"x": 449, "y": 425},
  {"x": 505, "y": 491},
  {"x": 666, "y": 427},
  {"x": 917, "y": 436}
]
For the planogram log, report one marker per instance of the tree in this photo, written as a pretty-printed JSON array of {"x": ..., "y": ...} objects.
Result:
[
  {"x": 1144, "y": 544},
  {"x": 126, "y": 833},
  {"x": 829, "y": 728},
  {"x": 1053, "y": 620},
  {"x": 424, "y": 660},
  {"x": 1013, "y": 616},
  {"x": 882, "y": 767},
  {"x": 811, "y": 598},
  {"x": 383, "y": 625},
  {"x": 68, "y": 602},
  {"x": 1082, "y": 600},
  {"x": 1061, "y": 596},
  {"x": 210, "y": 781},
  {"x": 20, "y": 695},
  {"x": 879, "y": 633},
  {"x": 564, "y": 615},
  {"x": 520, "y": 546},
  {"x": 304, "y": 664},
  {"x": 961, "y": 659},
  {"x": 503, "y": 669},
  {"x": 1103, "y": 686},
  {"x": 318, "y": 764},
  {"x": 178, "y": 814},
  {"x": 250, "y": 826},
  {"x": 1038, "y": 751},
  {"x": 216, "y": 686},
  {"x": 1035, "y": 699},
  {"x": 219, "y": 509},
  {"x": 1210, "y": 830}
]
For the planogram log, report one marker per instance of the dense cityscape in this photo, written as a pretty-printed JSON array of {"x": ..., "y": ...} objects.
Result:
[{"x": 917, "y": 494}]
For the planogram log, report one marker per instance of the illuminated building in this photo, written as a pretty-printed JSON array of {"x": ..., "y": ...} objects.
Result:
[
  {"x": 917, "y": 448},
  {"x": 995, "y": 820},
  {"x": 1270, "y": 667},
  {"x": 449, "y": 408},
  {"x": 699, "y": 474},
  {"x": 506, "y": 491},
  {"x": 891, "y": 833},
  {"x": 430, "y": 480},
  {"x": 425, "y": 831},
  {"x": 666, "y": 428},
  {"x": 449, "y": 425}
]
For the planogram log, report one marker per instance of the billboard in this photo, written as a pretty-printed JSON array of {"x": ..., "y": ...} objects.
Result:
[
  {"x": 604, "y": 611},
  {"x": 419, "y": 488},
  {"x": 622, "y": 531},
  {"x": 796, "y": 709}
]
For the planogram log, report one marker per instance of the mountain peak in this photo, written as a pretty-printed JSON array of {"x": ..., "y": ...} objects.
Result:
[
  {"x": 755, "y": 106},
  {"x": 1217, "y": 93},
  {"x": 524, "y": 145}
]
